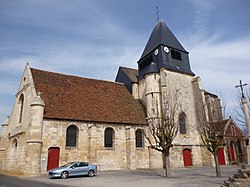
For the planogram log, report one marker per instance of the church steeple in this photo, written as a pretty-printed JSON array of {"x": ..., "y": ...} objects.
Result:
[{"x": 165, "y": 50}]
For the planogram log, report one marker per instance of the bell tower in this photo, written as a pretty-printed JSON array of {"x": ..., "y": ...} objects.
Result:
[{"x": 165, "y": 51}]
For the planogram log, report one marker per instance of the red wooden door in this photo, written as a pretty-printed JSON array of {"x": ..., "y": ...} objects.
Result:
[
  {"x": 232, "y": 152},
  {"x": 221, "y": 156},
  {"x": 187, "y": 157},
  {"x": 53, "y": 157}
]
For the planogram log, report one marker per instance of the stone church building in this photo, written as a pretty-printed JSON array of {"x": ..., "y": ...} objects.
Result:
[{"x": 58, "y": 118}]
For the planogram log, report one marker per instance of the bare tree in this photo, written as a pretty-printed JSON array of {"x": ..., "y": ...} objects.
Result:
[
  {"x": 210, "y": 126},
  {"x": 164, "y": 128}
]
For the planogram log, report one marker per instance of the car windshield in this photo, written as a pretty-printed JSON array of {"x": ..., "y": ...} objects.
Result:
[{"x": 68, "y": 164}]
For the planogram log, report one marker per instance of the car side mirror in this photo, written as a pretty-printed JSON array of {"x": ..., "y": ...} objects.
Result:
[{"x": 72, "y": 167}]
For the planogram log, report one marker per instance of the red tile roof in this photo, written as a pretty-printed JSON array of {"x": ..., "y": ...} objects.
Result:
[{"x": 76, "y": 98}]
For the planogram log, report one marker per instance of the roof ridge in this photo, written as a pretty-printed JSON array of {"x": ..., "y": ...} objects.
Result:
[
  {"x": 78, "y": 76},
  {"x": 128, "y": 68}
]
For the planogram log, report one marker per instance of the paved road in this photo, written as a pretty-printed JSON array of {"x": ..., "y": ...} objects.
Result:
[
  {"x": 185, "y": 177},
  {"x": 8, "y": 181}
]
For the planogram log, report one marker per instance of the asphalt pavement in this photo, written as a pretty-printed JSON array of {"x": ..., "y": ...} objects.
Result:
[
  {"x": 184, "y": 177},
  {"x": 11, "y": 181}
]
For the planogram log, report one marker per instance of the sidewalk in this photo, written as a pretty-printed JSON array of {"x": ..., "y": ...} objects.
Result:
[{"x": 185, "y": 177}]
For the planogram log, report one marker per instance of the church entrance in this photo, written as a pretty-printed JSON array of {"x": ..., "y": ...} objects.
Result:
[
  {"x": 221, "y": 156},
  {"x": 187, "y": 157},
  {"x": 53, "y": 157}
]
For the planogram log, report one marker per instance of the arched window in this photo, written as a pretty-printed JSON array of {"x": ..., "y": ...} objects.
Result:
[
  {"x": 182, "y": 123},
  {"x": 139, "y": 138},
  {"x": 233, "y": 131},
  {"x": 71, "y": 136},
  {"x": 108, "y": 137},
  {"x": 14, "y": 143},
  {"x": 20, "y": 102}
]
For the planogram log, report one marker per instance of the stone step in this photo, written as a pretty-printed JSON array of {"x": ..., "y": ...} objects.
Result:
[
  {"x": 231, "y": 179},
  {"x": 226, "y": 184},
  {"x": 247, "y": 171},
  {"x": 241, "y": 180},
  {"x": 238, "y": 175},
  {"x": 244, "y": 173}
]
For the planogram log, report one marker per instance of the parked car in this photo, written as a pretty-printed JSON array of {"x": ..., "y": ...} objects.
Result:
[{"x": 73, "y": 169}]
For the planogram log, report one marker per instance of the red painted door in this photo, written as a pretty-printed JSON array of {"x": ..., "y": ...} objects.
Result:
[
  {"x": 53, "y": 157},
  {"x": 187, "y": 157},
  {"x": 221, "y": 156},
  {"x": 232, "y": 152}
]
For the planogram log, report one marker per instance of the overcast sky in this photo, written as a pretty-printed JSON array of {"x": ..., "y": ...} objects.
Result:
[{"x": 92, "y": 38}]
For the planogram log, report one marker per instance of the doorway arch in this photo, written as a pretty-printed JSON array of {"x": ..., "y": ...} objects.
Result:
[
  {"x": 187, "y": 157},
  {"x": 53, "y": 157}
]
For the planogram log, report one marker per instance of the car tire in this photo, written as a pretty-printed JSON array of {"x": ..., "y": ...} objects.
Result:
[
  {"x": 91, "y": 173},
  {"x": 64, "y": 174}
]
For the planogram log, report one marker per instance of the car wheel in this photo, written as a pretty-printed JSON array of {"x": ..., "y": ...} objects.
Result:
[
  {"x": 64, "y": 174},
  {"x": 91, "y": 173}
]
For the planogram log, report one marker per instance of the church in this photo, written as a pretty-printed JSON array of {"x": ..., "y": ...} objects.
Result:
[{"x": 58, "y": 118}]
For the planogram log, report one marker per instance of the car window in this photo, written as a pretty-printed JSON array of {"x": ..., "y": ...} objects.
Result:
[
  {"x": 74, "y": 166},
  {"x": 83, "y": 164},
  {"x": 78, "y": 165}
]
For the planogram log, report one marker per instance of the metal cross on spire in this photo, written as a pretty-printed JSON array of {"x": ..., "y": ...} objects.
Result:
[{"x": 241, "y": 88}]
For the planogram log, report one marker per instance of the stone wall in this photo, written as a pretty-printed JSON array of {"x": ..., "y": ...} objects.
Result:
[
  {"x": 90, "y": 145},
  {"x": 16, "y": 154}
]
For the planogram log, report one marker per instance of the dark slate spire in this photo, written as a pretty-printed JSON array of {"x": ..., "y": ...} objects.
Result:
[
  {"x": 164, "y": 50},
  {"x": 162, "y": 35}
]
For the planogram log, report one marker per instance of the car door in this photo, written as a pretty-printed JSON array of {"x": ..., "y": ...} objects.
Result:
[
  {"x": 73, "y": 169},
  {"x": 84, "y": 167},
  {"x": 80, "y": 168}
]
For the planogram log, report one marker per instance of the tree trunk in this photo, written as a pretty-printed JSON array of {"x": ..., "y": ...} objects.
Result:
[
  {"x": 166, "y": 164},
  {"x": 217, "y": 165}
]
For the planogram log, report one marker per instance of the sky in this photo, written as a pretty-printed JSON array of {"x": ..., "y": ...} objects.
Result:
[{"x": 92, "y": 38}]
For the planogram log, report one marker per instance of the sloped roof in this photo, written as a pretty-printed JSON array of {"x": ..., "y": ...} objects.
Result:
[
  {"x": 219, "y": 126},
  {"x": 228, "y": 129},
  {"x": 161, "y": 35},
  {"x": 76, "y": 98},
  {"x": 225, "y": 128},
  {"x": 210, "y": 94},
  {"x": 131, "y": 73}
]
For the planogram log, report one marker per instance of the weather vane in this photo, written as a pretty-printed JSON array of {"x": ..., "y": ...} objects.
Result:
[{"x": 241, "y": 88}]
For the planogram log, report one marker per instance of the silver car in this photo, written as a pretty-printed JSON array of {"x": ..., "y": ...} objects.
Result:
[{"x": 73, "y": 169}]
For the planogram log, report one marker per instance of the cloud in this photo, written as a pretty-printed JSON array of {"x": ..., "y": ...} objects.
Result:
[
  {"x": 220, "y": 63},
  {"x": 231, "y": 56},
  {"x": 203, "y": 10}
]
